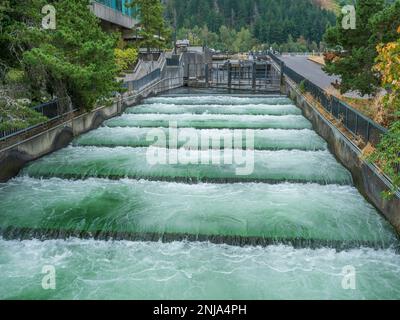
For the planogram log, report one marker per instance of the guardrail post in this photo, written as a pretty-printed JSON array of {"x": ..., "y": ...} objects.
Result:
[
  {"x": 240, "y": 73},
  {"x": 282, "y": 65},
  {"x": 254, "y": 76},
  {"x": 229, "y": 75},
  {"x": 266, "y": 75},
  {"x": 206, "y": 71},
  {"x": 119, "y": 105},
  {"x": 356, "y": 129}
]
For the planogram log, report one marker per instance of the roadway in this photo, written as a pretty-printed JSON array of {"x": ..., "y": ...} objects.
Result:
[
  {"x": 310, "y": 70},
  {"x": 314, "y": 73}
]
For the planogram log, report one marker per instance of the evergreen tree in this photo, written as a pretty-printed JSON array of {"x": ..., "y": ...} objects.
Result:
[
  {"x": 354, "y": 64},
  {"x": 268, "y": 20},
  {"x": 244, "y": 41},
  {"x": 153, "y": 31},
  {"x": 74, "y": 61}
]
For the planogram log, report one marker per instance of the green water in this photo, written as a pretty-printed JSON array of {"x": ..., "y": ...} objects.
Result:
[
  {"x": 89, "y": 269},
  {"x": 206, "y": 121},
  {"x": 277, "y": 219},
  {"x": 205, "y": 165},
  {"x": 269, "y": 139},
  {"x": 256, "y": 109},
  {"x": 220, "y": 100},
  {"x": 159, "y": 207}
]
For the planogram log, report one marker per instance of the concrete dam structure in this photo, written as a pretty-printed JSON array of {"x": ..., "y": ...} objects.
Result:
[{"x": 249, "y": 204}]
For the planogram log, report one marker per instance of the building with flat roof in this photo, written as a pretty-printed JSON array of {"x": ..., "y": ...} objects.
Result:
[{"x": 115, "y": 14}]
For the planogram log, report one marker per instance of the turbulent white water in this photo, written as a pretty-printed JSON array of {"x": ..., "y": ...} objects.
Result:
[
  {"x": 251, "y": 109},
  {"x": 89, "y": 269},
  {"x": 219, "y": 100},
  {"x": 268, "y": 139},
  {"x": 207, "y": 121},
  {"x": 287, "y": 229},
  {"x": 191, "y": 165},
  {"x": 161, "y": 207}
]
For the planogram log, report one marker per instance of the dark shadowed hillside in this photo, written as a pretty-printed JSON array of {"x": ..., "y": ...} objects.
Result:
[{"x": 269, "y": 21}]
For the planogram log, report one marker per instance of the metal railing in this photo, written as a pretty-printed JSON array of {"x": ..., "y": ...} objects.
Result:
[
  {"x": 358, "y": 124},
  {"x": 275, "y": 58},
  {"x": 174, "y": 61},
  {"x": 49, "y": 109},
  {"x": 136, "y": 85},
  {"x": 244, "y": 75},
  {"x": 9, "y": 134},
  {"x": 52, "y": 110}
]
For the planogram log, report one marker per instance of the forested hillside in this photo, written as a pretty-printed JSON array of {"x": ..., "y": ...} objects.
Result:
[{"x": 267, "y": 21}]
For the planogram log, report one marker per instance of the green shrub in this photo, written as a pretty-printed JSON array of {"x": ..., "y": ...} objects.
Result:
[
  {"x": 387, "y": 156},
  {"x": 14, "y": 115},
  {"x": 125, "y": 58},
  {"x": 302, "y": 86},
  {"x": 14, "y": 77}
]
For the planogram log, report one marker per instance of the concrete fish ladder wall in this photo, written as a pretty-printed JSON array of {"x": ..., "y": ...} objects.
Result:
[
  {"x": 14, "y": 158},
  {"x": 369, "y": 181}
]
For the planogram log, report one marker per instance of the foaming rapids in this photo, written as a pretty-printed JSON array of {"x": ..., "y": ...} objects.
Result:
[
  {"x": 211, "y": 121},
  {"x": 220, "y": 213},
  {"x": 250, "y": 109},
  {"x": 203, "y": 165},
  {"x": 88, "y": 269},
  {"x": 269, "y": 139}
]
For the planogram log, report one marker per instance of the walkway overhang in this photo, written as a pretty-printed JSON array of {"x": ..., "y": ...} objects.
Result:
[{"x": 112, "y": 16}]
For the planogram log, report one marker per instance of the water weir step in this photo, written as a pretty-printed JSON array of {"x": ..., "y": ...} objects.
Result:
[
  {"x": 251, "y": 109},
  {"x": 290, "y": 228},
  {"x": 202, "y": 166},
  {"x": 219, "y": 100},
  {"x": 130, "y": 209},
  {"x": 269, "y": 139},
  {"x": 23, "y": 234},
  {"x": 207, "y": 121},
  {"x": 88, "y": 269}
]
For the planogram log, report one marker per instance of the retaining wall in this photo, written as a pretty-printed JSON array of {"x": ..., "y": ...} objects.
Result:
[
  {"x": 367, "y": 178},
  {"x": 14, "y": 158}
]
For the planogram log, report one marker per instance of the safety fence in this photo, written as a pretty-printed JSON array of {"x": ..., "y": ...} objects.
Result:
[
  {"x": 53, "y": 111},
  {"x": 136, "y": 85},
  {"x": 358, "y": 124},
  {"x": 174, "y": 61},
  {"x": 243, "y": 76}
]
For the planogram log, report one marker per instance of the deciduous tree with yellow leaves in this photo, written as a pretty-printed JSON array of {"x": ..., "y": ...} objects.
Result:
[{"x": 387, "y": 154}]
